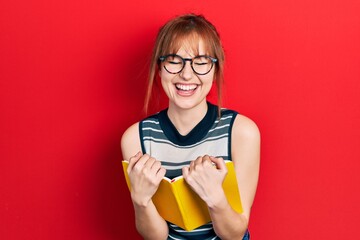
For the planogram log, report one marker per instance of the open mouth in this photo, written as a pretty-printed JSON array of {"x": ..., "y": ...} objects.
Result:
[{"x": 186, "y": 87}]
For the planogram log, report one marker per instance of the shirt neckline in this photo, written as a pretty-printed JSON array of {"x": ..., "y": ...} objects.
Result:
[{"x": 195, "y": 135}]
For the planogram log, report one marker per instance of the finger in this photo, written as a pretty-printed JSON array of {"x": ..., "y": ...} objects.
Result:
[
  {"x": 133, "y": 160},
  {"x": 185, "y": 171},
  {"x": 150, "y": 162},
  {"x": 206, "y": 158},
  {"x": 160, "y": 174},
  {"x": 155, "y": 166},
  {"x": 196, "y": 163},
  {"x": 192, "y": 165},
  {"x": 141, "y": 162},
  {"x": 219, "y": 163},
  {"x": 206, "y": 161},
  {"x": 198, "y": 160}
]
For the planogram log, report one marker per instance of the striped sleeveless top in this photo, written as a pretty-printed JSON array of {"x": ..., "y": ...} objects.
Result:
[{"x": 161, "y": 140}]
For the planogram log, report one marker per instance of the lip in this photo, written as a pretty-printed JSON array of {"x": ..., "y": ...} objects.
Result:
[{"x": 187, "y": 89}]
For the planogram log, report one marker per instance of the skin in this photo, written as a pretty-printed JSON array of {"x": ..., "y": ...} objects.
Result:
[{"x": 186, "y": 109}]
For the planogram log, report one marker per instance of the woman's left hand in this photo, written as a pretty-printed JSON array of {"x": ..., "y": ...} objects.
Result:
[{"x": 205, "y": 175}]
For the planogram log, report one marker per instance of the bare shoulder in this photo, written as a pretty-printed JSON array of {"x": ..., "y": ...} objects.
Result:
[
  {"x": 245, "y": 129},
  {"x": 245, "y": 142},
  {"x": 130, "y": 141}
]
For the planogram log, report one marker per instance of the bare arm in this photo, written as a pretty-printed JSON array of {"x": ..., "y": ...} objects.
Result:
[
  {"x": 246, "y": 158},
  {"x": 207, "y": 181},
  {"x": 145, "y": 174}
]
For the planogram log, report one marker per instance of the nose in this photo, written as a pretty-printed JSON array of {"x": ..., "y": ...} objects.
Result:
[{"x": 187, "y": 71}]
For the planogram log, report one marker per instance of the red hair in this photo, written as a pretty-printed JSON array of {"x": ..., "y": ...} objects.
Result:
[{"x": 188, "y": 28}]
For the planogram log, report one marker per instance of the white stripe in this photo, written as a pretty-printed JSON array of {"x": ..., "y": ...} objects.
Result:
[
  {"x": 223, "y": 118},
  {"x": 152, "y": 129},
  {"x": 174, "y": 237},
  {"x": 188, "y": 146},
  {"x": 157, "y": 139},
  {"x": 151, "y": 121},
  {"x": 161, "y": 152},
  {"x": 226, "y": 125}
]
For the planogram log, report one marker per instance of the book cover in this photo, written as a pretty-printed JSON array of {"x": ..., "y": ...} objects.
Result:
[{"x": 177, "y": 203}]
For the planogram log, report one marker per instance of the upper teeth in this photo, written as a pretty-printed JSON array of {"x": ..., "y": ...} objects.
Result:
[{"x": 186, "y": 87}]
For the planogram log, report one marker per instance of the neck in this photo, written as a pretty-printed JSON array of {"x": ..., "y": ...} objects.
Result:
[{"x": 186, "y": 119}]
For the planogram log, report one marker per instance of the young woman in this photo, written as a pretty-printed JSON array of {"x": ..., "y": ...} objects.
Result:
[{"x": 191, "y": 135}]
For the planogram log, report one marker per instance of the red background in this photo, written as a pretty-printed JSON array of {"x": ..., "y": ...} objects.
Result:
[{"x": 73, "y": 79}]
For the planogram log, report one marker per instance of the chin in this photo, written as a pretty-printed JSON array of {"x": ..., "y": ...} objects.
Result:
[{"x": 187, "y": 104}]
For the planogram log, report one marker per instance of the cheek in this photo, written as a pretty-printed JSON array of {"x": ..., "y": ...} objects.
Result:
[
  {"x": 163, "y": 74},
  {"x": 208, "y": 79},
  {"x": 165, "y": 80}
]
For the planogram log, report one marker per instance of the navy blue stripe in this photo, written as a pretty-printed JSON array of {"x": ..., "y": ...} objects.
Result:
[
  {"x": 141, "y": 137},
  {"x": 173, "y": 173},
  {"x": 172, "y": 164},
  {"x": 160, "y": 135},
  {"x": 230, "y": 133}
]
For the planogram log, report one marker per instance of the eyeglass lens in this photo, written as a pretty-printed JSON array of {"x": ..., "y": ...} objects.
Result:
[{"x": 200, "y": 65}]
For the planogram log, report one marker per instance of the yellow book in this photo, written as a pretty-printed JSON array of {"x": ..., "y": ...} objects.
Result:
[{"x": 177, "y": 203}]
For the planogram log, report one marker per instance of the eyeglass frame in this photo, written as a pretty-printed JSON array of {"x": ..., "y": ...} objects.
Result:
[{"x": 191, "y": 60}]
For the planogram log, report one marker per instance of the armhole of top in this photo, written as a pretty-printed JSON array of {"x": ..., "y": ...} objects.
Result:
[
  {"x": 141, "y": 135},
  {"x": 234, "y": 114}
]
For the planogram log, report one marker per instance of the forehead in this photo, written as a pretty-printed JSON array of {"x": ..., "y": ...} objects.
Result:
[
  {"x": 192, "y": 49},
  {"x": 191, "y": 44}
]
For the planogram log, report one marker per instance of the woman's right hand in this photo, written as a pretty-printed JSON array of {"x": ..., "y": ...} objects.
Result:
[{"x": 145, "y": 174}]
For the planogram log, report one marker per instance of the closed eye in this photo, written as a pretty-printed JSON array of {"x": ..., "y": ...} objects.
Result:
[
  {"x": 173, "y": 62},
  {"x": 201, "y": 63}
]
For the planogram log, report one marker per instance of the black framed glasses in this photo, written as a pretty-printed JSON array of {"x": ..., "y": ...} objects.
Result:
[{"x": 201, "y": 65}]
